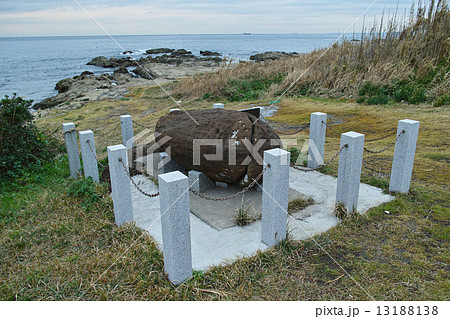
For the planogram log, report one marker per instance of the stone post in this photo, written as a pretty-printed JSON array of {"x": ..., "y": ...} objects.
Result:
[
  {"x": 349, "y": 171},
  {"x": 199, "y": 182},
  {"x": 176, "y": 229},
  {"x": 317, "y": 130},
  {"x": 120, "y": 184},
  {"x": 405, "y": 149},
  {"x": 88, "y": 154},
  {"x": 275, "y": 196},
  {"x": 127, "y": 131},
  {"x": 218, "y": 106},
  {"x": 70, "y": 137},
  {"x": 174, "y": 110}
]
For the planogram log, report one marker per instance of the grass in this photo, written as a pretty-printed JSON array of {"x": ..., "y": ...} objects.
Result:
[
  {"x": 56, "y": 244},
  {"x": 299, "y": 204},
  {"x": 405, "y": 58}
]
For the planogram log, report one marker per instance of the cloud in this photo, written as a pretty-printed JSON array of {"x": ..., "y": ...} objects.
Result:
[{"x": 64, "y": 17}]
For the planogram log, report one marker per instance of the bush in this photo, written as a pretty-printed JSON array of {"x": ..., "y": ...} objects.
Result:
[{"x": 22, "y": 146}]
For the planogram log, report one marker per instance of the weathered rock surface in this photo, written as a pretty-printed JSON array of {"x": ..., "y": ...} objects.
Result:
[
  {"x": 260, "y": 57},
  {"x": 232, "y": 128},
  {"x": 210, "y": 53},
  {"x": 89, "y": 87},
  {"x": 159, "y": 51}
]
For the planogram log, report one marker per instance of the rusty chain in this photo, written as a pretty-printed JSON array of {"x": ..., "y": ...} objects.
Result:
[
  {"x": 394, "y": 131},
  {"x": 332, "y": 129},
  {"x": 309, "y": 169},
  {"x": 142, "y": 125},
  {"x": 106, "y": 133},
  {"x": 93, "y": 153},
  {"x": 134, "y": 183},
  {"x": 292, "y": 133},
  {"x": 387, "y": 147},
  {"x": 244, "y": 190}
]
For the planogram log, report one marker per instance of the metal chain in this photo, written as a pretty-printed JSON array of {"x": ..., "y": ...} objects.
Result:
[
  {"x": 387, "y": 147},
  {"x": 134, "y": 183},
  {"x": 93, "y": 153},
  {"x": 309, "y": 169},
  {"x": 106, "y": 133},
  {"x": 255, "y": 180},
  {"x": 332, "y": 129},
  {"x": 144, "y": 126},
  {"x": 383, "y": 137},
  {"x": 292, "y": 133}
]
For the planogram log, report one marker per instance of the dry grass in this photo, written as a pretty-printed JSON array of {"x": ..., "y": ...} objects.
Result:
[{"x": 398, "y": 49}]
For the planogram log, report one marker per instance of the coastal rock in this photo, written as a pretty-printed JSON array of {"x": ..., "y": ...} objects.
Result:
[
  {"x": 210, "y": 53},
  {"x": 159, "y": 51},
  {"x": 121, "y": 70},
  {"x": 145, "y": 72},
  {"x": 63, "y": 85},
  {"x": 181, "y": 52},
  {"x": 101, "y": 61},
  {"x": 260, "y": 57}
]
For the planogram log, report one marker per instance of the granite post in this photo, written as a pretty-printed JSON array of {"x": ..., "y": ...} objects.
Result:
[
  {"x": 275, "y": 196},
  {"x": 176, "y": 228},
  {"x": 199, "y": 182},
  {"x": 120, "y": 184},
  {"x": 218, "y": 106},
  {"x": 405, "y": 149},
  {"x": 126, "y": 124},
  {"x": 88, "y": 154},
  {"x": 71, "y": 139},
  {"x": 349, "y": 171},
  {"x": 317, "y": 130}
]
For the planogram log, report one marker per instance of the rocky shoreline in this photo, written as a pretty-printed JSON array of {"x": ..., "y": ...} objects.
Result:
[{"x": 162, "y": 65}]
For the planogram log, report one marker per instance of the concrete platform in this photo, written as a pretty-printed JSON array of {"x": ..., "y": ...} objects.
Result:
[{"x": 211, "y": 246}]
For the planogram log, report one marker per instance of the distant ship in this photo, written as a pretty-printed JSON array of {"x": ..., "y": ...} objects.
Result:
[{"x": 247, "y": 33}]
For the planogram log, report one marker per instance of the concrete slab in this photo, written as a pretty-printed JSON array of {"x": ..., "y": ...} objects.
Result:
[
  {"x": 221, "y": 214},
  {"x": 214, "y": 247}
]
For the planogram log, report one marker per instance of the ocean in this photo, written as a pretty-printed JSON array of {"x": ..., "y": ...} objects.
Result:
[{"x": 31, "y": 66}]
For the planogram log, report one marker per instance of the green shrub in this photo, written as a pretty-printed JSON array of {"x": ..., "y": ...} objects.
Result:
[
  {"x": 442, "y": 100},
  {"x": 22, "y": 146},
  {"x": 295, "y": 153},
  {"x": 84, "y": 189},
  {"x": 249, "y": 89}
]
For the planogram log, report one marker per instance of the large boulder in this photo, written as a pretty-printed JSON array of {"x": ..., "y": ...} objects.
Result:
[
  {"x": 102, "y": 61},
  {"x": 233, "y": 129}
]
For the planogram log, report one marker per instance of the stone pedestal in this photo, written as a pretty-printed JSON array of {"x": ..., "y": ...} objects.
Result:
[
  {"x": 405, "y": 149},
  {"x": 317, "y": 131},
  {"x": 88, "y": 154},
  {"x": 175, "y": 221},
  {"x": 71, "y": 139},
  {"x": 199, "y": 181},
  {"x": 126, "y": 124},
  {"x": 349, "y": 171},
  {"x": 275, "y": 196}
]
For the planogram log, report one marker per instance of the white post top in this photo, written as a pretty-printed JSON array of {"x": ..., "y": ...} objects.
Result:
[
  {"x": 276, "y": 152},
  {"x": 114, "y": 148},
  {"x": 125, "y": 116},
  {"x": 68, "y": 127},
  {"x": 352, "y": 134},
  {"x": 172, "y": 176},
  {"x": 174, "y": 110},
  {"x": 218, "y": 106},
  {"x": 409, "y": 121},
  {"x": 319, "y": 113},
  {"x": 87, "y": 132}
]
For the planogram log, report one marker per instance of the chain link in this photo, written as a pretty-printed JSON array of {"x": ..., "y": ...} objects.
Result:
[
  {"x": 332, "y": 129},
  {"x": 93, "y": 153},
  {"x": 394, "y": 131},
  {"x": 292, "y": 133},
  {"x": 387, "y": 147},
  {"x": 134, "y": 183},
  {"x": 255, "y": 180},
  {"x": 309, "y": 169},
  {"x": 106, "y": 133},
  {"x": 144, "y": 126}
]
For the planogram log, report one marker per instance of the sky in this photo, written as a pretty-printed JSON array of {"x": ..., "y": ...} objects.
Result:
[{"x": 136, "y": 17}]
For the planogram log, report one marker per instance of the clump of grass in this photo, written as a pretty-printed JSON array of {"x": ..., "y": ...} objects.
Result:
[
  {"x": 299, "y": 204},
  {"x": 243, "y": 217},
  {"x": 340, "y": 211}
]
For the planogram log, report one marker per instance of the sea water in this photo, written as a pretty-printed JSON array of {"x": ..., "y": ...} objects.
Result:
[{"x": 31, "y": 66}]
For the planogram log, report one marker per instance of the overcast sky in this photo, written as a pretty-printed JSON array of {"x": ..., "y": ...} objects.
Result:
[{"x": 65, "y": 17}]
